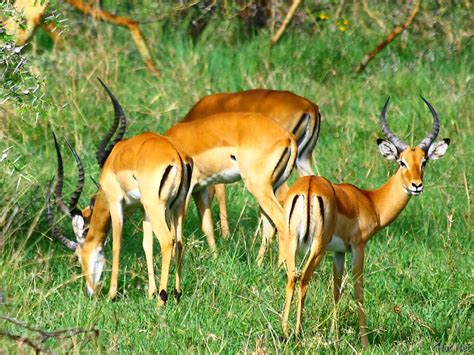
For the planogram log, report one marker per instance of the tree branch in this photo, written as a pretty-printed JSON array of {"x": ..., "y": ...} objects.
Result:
[
  {"x": 132, "y": 25},
  {"x": 392, "y": 35},
  {"x": 285, "y": 23}
]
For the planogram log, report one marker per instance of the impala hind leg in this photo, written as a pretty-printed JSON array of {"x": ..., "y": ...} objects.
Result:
[
  {"x": 202, "y": 200},
  {"x": 315, "y": 258},
  {"x": 273, "y": 213},
  {"x": 156, "y": 212},
  {"x": 178, "y": 227},
  {"x": 148, "y": 248},
  {"x": 289, "y": 244}
]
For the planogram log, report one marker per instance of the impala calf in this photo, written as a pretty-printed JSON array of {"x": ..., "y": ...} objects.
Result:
[
  {"x": 225, "y": 150},
  {"x": 295, "y": 113},
  {"x": 320, "y": 216}
]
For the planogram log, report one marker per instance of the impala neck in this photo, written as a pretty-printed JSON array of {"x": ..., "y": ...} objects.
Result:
[
  {"x": 100, "y": 220},
  {"x": 389, "y": 200}
]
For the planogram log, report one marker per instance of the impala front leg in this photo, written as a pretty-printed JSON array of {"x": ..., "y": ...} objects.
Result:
[
  {"x": 116, "y": 215},
  {"x": 358, "y": 276},
  {"x": 201, "y": 198},
  {"x": 221, "y": 199},
  {"x": 338, "y": 273}
]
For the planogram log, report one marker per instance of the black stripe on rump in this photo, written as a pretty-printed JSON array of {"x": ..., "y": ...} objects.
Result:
[
  {"x": 293, "y": 203},
  {"x": 321, "y": 207},
  {"x": 308, "y": 144},
  {"x": 276, "y": 180},
  {"x": 163, "y": 179},
  {"x": 304, "y": 116}
]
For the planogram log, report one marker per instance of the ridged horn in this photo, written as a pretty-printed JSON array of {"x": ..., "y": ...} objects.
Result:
[
  {"x": 71, "y": 245},
  {"x": 426, "y": 143},
  {"x": 401, "y": 146},
  {"x": 119, "y": 119},
  {"x": 58, "y": 189},
  {"x": 80, "y": 180}
]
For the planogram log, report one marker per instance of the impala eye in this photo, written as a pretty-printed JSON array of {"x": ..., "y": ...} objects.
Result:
[
  {"x": 402, "y": 163},
  {"x": 423, "y": 164}
]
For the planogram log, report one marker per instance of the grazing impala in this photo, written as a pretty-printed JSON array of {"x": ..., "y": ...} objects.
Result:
[
  {"x": 225, "y": 150},
  {"x": 295, "y": 113},
  {"x": 322, "y": 216},
  {"x": 81, "y": 218},
  {"x": 145, "y": 169}
]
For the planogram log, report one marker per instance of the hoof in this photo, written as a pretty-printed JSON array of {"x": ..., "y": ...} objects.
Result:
[
  {"x": 163, "y": 297},
  {"x": 177, "y": 295}
]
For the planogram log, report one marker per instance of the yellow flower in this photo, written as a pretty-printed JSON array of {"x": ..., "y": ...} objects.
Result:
[
  {"x": 346, "y": 22},
  {"x": 342, "y": 28},
  {"x": 323, "y": 16}
]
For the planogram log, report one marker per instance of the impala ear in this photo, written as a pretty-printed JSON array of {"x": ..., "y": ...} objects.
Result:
[
  {"x": 438, "y": 149},
  {"x": 387, "y": 149},
  {"x": 78, "y": 228}
]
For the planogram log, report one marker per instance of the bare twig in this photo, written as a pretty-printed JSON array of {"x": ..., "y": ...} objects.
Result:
[
  {"x": 369, "y": 13},
  {"x": 285, "y": 23},
  {"x": 21, "y": 340},
  {"x": 392, "y": 35},
  {"x": 45, "y": 335},
  {"x": 132, "y": 25}
]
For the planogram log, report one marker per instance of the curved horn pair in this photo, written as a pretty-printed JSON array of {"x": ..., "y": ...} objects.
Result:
[
  {"x": 401, "y": 146},
  {"x": 72, "y": 209},
  {"x": 119, "y": 119}
]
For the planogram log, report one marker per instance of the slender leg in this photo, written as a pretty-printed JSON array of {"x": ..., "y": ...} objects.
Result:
[
  {"x": 178, "y": 221},
  {"x": 117, "y": 221},
  {"x": 338, "y": 273},
  {"x": 221, "y": 199},
  {"x": 156, "y": 212},
  {"x": 290, "y": 245},
  {"x": 268, "y": 232},
  {"x": 148, "y": 248},
  {"x": 201, "y": 198},
  {"x": 313, "y": 262},
  {"x": 358, "y": 275}
]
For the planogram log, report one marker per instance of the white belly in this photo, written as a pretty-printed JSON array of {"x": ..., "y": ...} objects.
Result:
[
  {"x": 133, "y": 197},
  {"x": 337, "y": 244},
  {"x": 223, "y": 177}
]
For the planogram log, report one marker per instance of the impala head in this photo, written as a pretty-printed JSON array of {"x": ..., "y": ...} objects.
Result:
[
  {"x": 80, "y": 218},
  {"x": 412, "y": 161}
]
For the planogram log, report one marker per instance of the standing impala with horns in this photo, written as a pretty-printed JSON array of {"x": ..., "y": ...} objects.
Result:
[
  {"x": 148, "y": 170},
  {"x": 320, "y": 216},
  {"x": 295, "y": 113}
]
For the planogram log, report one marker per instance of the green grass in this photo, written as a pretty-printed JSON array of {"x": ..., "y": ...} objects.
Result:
[{"x": 418, "y": 270}]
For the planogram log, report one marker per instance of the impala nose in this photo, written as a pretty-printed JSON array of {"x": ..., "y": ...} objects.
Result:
[{"x": 417, "y": 188}]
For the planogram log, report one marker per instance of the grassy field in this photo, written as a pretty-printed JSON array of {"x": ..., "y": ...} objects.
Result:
[{"x": 418, "y": 287}]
